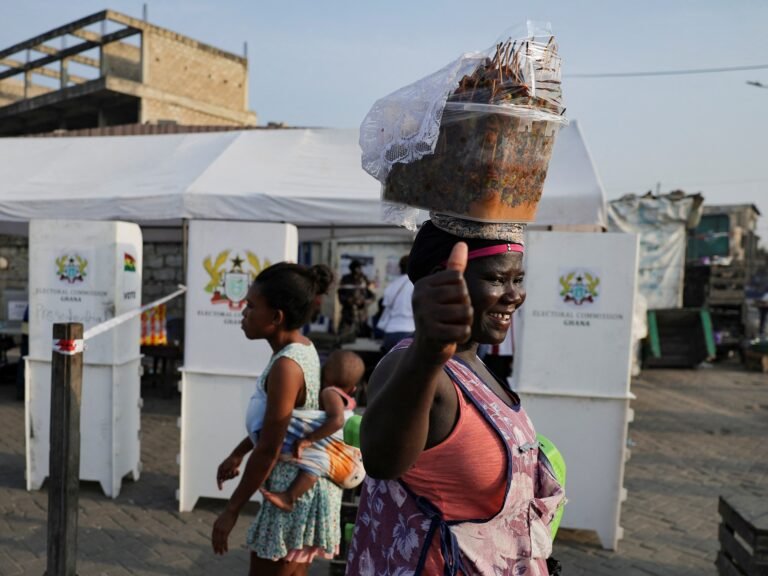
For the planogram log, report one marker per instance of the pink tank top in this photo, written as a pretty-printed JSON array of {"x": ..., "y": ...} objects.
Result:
[
  {"x": 349, "y": 402},
  {"x": 475, "y": 444}
]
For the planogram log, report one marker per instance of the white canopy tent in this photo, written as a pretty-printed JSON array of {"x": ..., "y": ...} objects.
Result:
[
  {"x": 308, "y": 177},
  {"x": 573, "y": 193}
]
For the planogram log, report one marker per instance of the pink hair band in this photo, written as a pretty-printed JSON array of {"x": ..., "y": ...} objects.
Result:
[
  {"x": 492, "y": 250},
  {"x": 497, "y": 249}
]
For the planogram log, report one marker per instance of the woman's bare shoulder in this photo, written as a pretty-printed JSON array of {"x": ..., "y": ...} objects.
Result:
[{"x": 287, "y": 372}]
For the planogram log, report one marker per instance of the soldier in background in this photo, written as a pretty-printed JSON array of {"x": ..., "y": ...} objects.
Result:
[{"x": 355, "y": 295}]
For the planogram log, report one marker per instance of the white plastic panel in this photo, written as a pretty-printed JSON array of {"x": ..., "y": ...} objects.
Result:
[
  {"x": 109, "y": 424},
  {"x": 88, "y": 272},
  {"x": 591, "y": 434},
  {"x": 213, "y": 410},
  {"x": 223, "y": 259},
  {"x": 220, "y": 364},
  {"x": 574, "y": 331}
]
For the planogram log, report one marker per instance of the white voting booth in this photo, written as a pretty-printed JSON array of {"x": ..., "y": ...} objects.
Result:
[
  {"x": 220, "y": 365},
  {"x": 86, "y": 272},
  {"x": 572, "y": 364}
]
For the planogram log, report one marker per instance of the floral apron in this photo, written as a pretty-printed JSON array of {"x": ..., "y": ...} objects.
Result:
[{"x": 399, "y": 533}]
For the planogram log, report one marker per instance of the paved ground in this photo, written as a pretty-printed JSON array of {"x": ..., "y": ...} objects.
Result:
[{"x": 696, "y": 435}]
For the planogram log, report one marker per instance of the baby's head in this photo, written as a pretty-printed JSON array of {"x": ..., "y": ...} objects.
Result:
[{"x": 343, "y": 369}]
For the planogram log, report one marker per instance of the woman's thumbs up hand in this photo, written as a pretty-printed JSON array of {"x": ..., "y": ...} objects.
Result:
[{"x": 442, "y": 309}]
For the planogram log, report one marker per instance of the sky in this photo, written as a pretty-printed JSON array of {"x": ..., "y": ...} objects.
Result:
[{"x": 314, "y": 63}]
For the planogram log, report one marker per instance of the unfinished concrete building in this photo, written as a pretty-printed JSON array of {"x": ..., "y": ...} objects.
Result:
[{"x": 109, "y": 69}]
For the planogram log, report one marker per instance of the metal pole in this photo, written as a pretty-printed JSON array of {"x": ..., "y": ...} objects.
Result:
[
  {"x": 64, "y": 463},
  {"x": 27, "y": 78},
  {"x": 184, "y": 247}
]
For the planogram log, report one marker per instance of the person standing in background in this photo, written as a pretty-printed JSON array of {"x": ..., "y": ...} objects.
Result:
[
  {"x": 396, "y": 321},
  {"x": 355, "y": 295},
  {"x": 319, "y": 322}
]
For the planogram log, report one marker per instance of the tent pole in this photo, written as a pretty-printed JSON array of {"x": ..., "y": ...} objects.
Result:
[
  {"x": 332, "y": 265},
  {"x": 184, "y": 246},
  {"x": 330, "y": 247}
]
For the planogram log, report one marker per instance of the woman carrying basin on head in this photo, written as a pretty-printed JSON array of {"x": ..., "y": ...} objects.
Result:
[{"x": 457, "y": 484}]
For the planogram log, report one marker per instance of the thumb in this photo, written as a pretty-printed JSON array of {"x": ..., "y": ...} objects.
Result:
[{"x": 458, "y": 258}]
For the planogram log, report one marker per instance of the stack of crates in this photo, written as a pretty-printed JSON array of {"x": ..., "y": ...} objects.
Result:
[{"x": 721, "y": 290}]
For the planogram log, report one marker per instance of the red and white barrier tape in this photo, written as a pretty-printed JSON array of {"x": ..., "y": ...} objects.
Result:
[
  {"x": 68, "y": 347},
  {"x": 109, "y": 324}
]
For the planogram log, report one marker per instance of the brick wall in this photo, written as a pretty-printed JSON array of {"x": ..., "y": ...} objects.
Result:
[
  {"x": 195, "y": 71},
  {"x": 13, "y": 280},
  {"x": 122, "y": 60},
  {"x": 15, "y": 250},
  {"x": 162, "y": 273}
]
